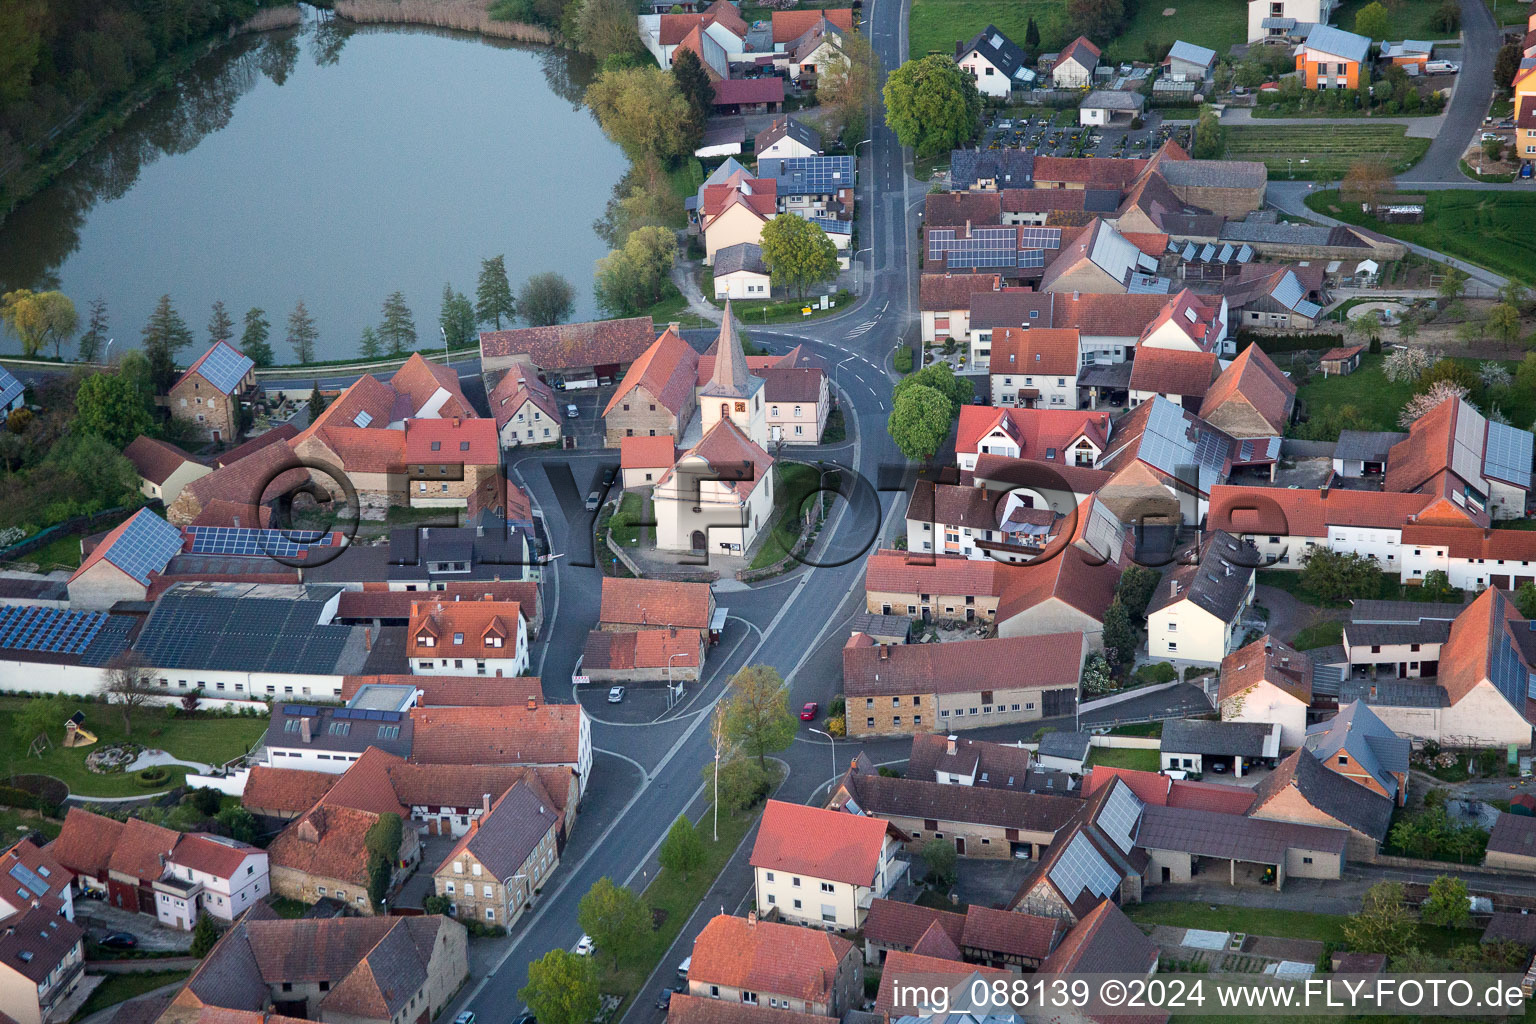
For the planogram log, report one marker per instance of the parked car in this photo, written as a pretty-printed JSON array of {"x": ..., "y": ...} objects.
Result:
[
  {"x": 1441, "y": 67},
  {"x": 584, "y": 946},
  {"x": 610, "y": 474},
  {"x": 571, "y": 412},
  {"x": 808, "y": 713},
  {"x": 593, "y": 500},
  {"x": 467, "y": 1017},
  {"x": 664, "y": 1000},
  {"x": 616, "y": 695},
  {"x": 119, "y": 940},
  {"x": 1219, "y": 767}
]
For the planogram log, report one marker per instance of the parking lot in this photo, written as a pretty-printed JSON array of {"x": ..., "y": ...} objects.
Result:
[
  {"x": 587, "y": 425},
  {"x": 1036, "y": 132}
]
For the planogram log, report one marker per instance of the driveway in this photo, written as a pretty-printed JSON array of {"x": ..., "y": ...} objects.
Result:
[
  {"x": 1469, "y": 103},
  {"x": 1288, "y": 616}
]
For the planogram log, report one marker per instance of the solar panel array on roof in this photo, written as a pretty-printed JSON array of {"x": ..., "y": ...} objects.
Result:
[
  {"x": 808, "y": 175},
  {"x": 1039, "y": 238},
  {"x": 832, "y": 226},
  {"x": 10, "y": 387},
  {"x": 145, "y": 546},
  {"x": 1083, "y": 867},
  {"x": 1119, "y": 816},
  {"x": 1288, "y": 292},
  {"x": 301, "y": 710},
  {"x": 1507, "y": 455},
  {"x": 30, "y": 879},
  {"x": 224, "y": 368},
  {"x": 1245, "y": 254},
  {"x": 190, "y": 628},
  {"x": 26, "y": 627},
  {"x": 986, "y": 247},
  {"x": 231, "y": 540},
  {"x": 361, "y": 715}
]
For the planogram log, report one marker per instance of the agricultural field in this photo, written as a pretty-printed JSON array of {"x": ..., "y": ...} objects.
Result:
[
  {"x": 939, "y": 24},
  {"x": 1217, "y": 24},
  {"x": 1327, "y": 149},
  {"x": 1491, "y": 229}
]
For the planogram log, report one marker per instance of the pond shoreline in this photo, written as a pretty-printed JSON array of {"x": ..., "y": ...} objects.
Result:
[{"x": 459, "y": 15}]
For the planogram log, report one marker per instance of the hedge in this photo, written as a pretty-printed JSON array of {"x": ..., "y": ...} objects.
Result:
[{"x": 1273, "y": 343}]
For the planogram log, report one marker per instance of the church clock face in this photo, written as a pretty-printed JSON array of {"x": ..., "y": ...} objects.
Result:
[{"x": 741, "y": 406}]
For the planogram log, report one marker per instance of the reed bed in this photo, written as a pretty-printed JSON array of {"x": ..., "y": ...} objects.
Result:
[{"x": 462, "y": 15}]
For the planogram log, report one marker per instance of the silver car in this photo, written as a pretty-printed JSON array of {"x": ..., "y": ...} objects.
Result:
[{"x": 616, "y": 695}]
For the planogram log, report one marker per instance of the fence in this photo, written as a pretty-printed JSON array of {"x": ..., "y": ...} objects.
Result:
[{"x": 45, "y": 537}]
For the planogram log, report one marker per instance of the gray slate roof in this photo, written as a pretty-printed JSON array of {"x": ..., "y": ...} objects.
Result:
[
  {"x": 1113, "y": 99},
  {"x": 1001, "y": 51},
  {"x": 1403, "y": 612},
  {"x": 876, "y": 625},
  {"x": 507, "y": 836},
  {"x": 1357, "y": 731},
  {"x": 743, "y": 256},
  {"x": 1215, "y": 173},
  {"x": 1198, "y": 736},
  {"x": 1367, "y": 634},
  {"x": 1212, "y": 834},
  {"x": 1012, "y": 168},
  {"x": 789, "y": 127},
  {"x": 1513, "y": 833},
  {"x": 1217, "y": 584},
  {"x": 1345, "y": 801},
  {"x": 1394, "y": 693},
  {"x": 339, "y": 729},
  {"x": 1366, "y": 445},
  {"x": 1070, "y": 745}
]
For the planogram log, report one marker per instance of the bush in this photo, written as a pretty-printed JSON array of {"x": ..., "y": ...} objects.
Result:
[
  {"x": 1273, "y": 343},
  {"x": 1157, "y": 672},
  {"x": 903, "y": 360},
  {"x": 149, "y": 778},
  {"x": 436, "y": 905},
  {"x": 207, "y": 800}
]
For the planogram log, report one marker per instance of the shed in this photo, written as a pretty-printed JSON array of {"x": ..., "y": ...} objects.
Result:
[
  {"x": 1187, "y": 62},
  {"x": 1110, "y": 107},
  {"x": 1340, "y": 362}
]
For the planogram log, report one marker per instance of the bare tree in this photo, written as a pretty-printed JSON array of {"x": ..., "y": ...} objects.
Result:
[{"x": 128, "y": 686}]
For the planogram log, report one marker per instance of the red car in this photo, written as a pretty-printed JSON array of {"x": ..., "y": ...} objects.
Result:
[{"x": 808, "y": 713}]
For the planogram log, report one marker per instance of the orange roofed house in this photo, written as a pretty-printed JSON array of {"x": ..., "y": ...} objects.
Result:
[
  {"x": 209, "y": 393},
  {"x": 656, "y": 397},
  {"x": 467, "y": 637},
  {"x": 735, "y": 210},
  {"x": 822, "y": 868},
  {"x": 453, "y": 463},
  {"x": 603, "y": 348},
  {"x": 534, "y": 734},
  {"x": 780, "y": 966},
  {"x": 1035, "y": 369},
  {"x": 650, "y": 630}
]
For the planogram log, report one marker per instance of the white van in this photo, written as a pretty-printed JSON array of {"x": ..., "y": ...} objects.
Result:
[
  {"x": 1441, "y": 67},
  {"x": 682, "y": 969}
]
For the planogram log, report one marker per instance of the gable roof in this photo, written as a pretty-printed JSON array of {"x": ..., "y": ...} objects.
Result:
[
  {"x": 85, "y": 843},
  {"x": 641, "y": 649},
  {"x": 1357, "y": 732},
  {"x": 1173, "y": 371},
  {"x": 963, "y": 209},
  {"x": 1480, "y": 650},
  {"x": 741, "y": 258},
  {"x": 951, "y": 291},
  {"x": 667, "y": 371},
  {"x": 737, "y": 461},
  {"x": 285, "y": 790},
  {"x": 141, "y": 546},
  {"x": 900, "y": 572},
  {"x": 420, "y": 381},
  {"x": 545, "y": 734},
  {"x": 34, "y": 871},
  {"x": 647, "y": 452},
  {"x": 505, "y": 838},
  {"x": 573, "y": 346},
  {"x": 1037, "y": 432},
  {"x": 1253, "y": 378},
  {"x": 998, "y": 765},
  {"x": 1044, "y": 350},
  {"x": 787, "y": 128},
  {"x": 1513, "y": 834},
  {"x": 1055, "y": 660},
  {"x": 768, "y": 957},
  {"x": 141, "y": 849},
  {"x": 881, "y": 796},
  {"x": 1010, "y": 932},
  {"x": 455, "y": 442},
  {"x": 1267, "y": 660},
  {"x": 847, "y": 847},
  {"x": 1105, "y": 941},
  {"x": 1000, "y": 51},
  {"x": 687, "y": 1009},
  {"x": 892, "y": 923},
  {"x": 1202, "y": 736},
  {"x": 1217, "y": 583},
  {"x": 214, "y": 855},
  {"x": 789, "y": 26},
  {"x": 327, "y": 841},
  {"x": 655, "y": 603},
  {"x": 156, "y": 460},
  {"x": 1307, "y": 512},
  {"x": 891, "y": 998},
  {"x": 1344, "y": 801},
  {"x": 1338, "y": 43},
  {"x": 222, "y": 366},
  {"x": 518, "y": 386},
  {"x": 1085, "y": 582},
  {"x": 1081, "y": 50},
  {"x": 1200, "y": 55}
]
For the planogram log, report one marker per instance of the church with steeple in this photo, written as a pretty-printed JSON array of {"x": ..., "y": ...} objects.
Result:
[{"x": 718, "y": 495}]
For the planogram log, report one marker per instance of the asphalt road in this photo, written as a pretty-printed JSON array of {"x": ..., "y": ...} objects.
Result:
[{"x": 1469, "y": 104}]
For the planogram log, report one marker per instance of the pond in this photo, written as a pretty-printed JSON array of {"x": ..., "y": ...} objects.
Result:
[{"x": 332, "y": 163}]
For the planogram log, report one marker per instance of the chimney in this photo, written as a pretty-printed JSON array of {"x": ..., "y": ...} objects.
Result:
[
  {"x": 885, "y": 653},
  {"x": 455, "y": 422},
  {"x": 674, "y": 326},
  {"x": 485, "y": 802},
  {"x": 367, "y": 638},
  {"x": 304, "y": 730},
  {"x": 533, "y": 703},
  {"x": 953, "y": 741},
  {"x": 751, "y": 918}
]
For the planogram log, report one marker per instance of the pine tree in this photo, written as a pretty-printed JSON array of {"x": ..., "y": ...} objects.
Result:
[
  {"x": 398, "y": 331},
  {"x": 1032, "y": 35},
  {"x": 164, "y": 336},
  {"x": 220, "y": 326},
  {"x": 316, "y": 403},
  {"x": 370, "y": 347},
  {"x": 204, "y": 934},
  {"x": 89, "y": 348},
  {"x": 457, "y": 318},
  {"x": 493, "y": 292},
  {"x": 302, "y": 333},
  {"x": 253, "y": 340}
]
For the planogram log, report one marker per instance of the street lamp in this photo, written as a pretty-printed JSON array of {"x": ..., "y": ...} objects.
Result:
[
  {"x": 444, "y": 332},
  {"x": 106, "y": 359},
  {"x": 679, "y": 654},
  {"x": 834, "y": 748}
]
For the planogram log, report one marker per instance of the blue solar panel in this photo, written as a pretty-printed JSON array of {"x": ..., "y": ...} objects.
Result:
[
  {"x": 224, "y": 368},
  {"x": 808, "y": 175},
  {"x": 230, "y": 540},
  {"x": 35, "y": 628},
  {"x": 363, "y": 418},
  {"x": 1039, "y": 238},
  {"x": 10, "y": 388},
  {"x": 29, "y": 878},
  {"x": 145, "y": 546}
]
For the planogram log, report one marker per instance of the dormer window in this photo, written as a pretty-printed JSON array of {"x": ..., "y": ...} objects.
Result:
[
  {"x": 437, "y": 446},
  {"x": 458, "y": 638},
  {"x": 427, "y": 641}
]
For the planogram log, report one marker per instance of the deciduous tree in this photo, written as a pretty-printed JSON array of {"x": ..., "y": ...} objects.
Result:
[
  {"x": 682, "y": 850},
  {"x": 1383, "y": 924},
  {"x": 1525, "y": 599},
  {"x": 798, "y": 253},
  {"x": 398, "y": 328},
  {"x": 1437, "y": 585},
  {"x": 932, "y": 105},
  {"x": 38, "y": 318},
  {"x": 1366, "y": 182},
  {"x": 302, "y": 333},
  {"x": 127, "y": 685},
  {"x": 607, "y": 28},
  {"x": 1448, "y": 905},
  {"x": 919, "y": 422},
  {"x": 1096, "y": 19},
  {"x": 1373, "y": 21},
  {"x": 89, "y": 347},
  {"x": 221, "y": 326},
  {"x": 848, "y": 87},
  {"x": 757, "y": 716},
  {"x": 1505, "y": 64},
  {"x": 615, "y": 918},
  {"x": 636, "y": 276},
  {"x": 254, "y": 338},
  {"x": 643, "y": 111},
  {"x": 546, "y": 299},
  {"x": 562, "y": 988},
  {"x": 42, "y": 716},
  {"x": 493, "y": 293},
  {"x": 1210, "y": 137},
  {"x": 113, "y": 408},
  {"x": 943, "y": 380},
  {"x": 1405, "y": 364},
  {"x": 1334, "y": 575},
  {"x": 1504, "y": 322},
  {"x": 1417, "y": 407},
  {"x": 941, "y": 858}
]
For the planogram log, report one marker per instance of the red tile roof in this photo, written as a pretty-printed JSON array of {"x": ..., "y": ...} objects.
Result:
[
  {"x": 902, "y": 572},
  {"x": 1154, "y": 244},
  {"x": 667, "y": 371},
  {"x": 365, "y": 395},
  {"x": 655, "y": 603},
  {"x": 1055, "y": 660},
  {"x": 1464, "y": 657},
  {"x": 155, "y": 460},
  {"x": 328, "y": 842},
  {"x": 767, "y": 957},
  {"x": 1103, "y": 173},
  {"x": 1081, "y": 43},
  {"x": 1108, "y": 315},
  {"x": 900, "y": 964},
  {"x": 214, "y": 855},
  {"x": 1156, "y": 788},
  {"x": 1267, "y": 660},
  {"x": 846, "y": 847},
  {"x": 419, "y": 380},
  {"x": 517, "y": 387},
  {"x": 892, "y": 923},
  {"x": 1083, "y": 581},
  {"x": 1445, "y": 438},
  {"x": 281, "y": 432},
  {"x": 288, "y": 791},
  {"x": 768, "y": 89},
  {"x": 367, "y": 449},
  {"x": 266, "y": 472},
  {"x": 1046, "y": 350},
  {"x": 1171, "y": 371},
  {"x": 1307, "y": 513},
  {"x": 1342, "y": 353},
  {"x": 760, "y": 195},
  {"x": 642, "y": 649},
  {"x": 546, "y": 734},
  {"x": 456, "y": 691},
  {"x": 791, "y": 25},
  {"x": 375, "y": 602},
  {"x": 1254, "y": 379},
  {"x": 686, "y": 1009},
  {"x": 1193, "y": 314},
  {"x": 647, "y": 452},
  {"x": 42, "y": 863},
  {"x": 459, "y": 442},
  {"x": 963, "y": 209},
  {"x": 467, "y": 629},
  {"x": 365, "y": 785},
  {"x": 1470, "y": 542},
  {"x": 572, "y": 346},
  {"x": 942, "y": 293},
  {"x": 1036, "y": 431},
  {"x": 1011, "y": 932},
  {"x": 141, "y": 848}
]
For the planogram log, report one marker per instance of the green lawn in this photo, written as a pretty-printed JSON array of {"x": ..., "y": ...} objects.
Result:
[
  {"x": 12, "y": 821},
  {"x": 205, "y": 738},
  {"x": 631, "y": 510},
  {"x": 1329, "y": 149},
  {"x": 1411, "y": 20},
  {"x": 1213, "y": 23},
  {"x": 672, "y": 899},
  {"x": 1388, "y": 589},
  {"x": 940, "y": 24},
  {"x": 1320, "y": 634},
  {"x": 1491, "y": 229},
  {"x": 793, "y": 482},
  {"x": 119, "y": 988},
  {"x": 1285, "y": 924},
  {"x": 1380, "y": 400},
  {"x": 1125, "y": 757},
  {"x": 59, "y": 553}
]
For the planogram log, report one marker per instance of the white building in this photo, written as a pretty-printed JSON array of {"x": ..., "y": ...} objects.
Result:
[
  {"x": 823, "y": 867},
  {"x": 1473, "y": 558},
  {"x": 1036, "y": 368},
  {"x": 457, "y": 638},
  {"x": 1279, "y": 21},
  {"x": 1196, "y": 615},
  {"x": 210, "y": 874},
  {"x": 996, "y": 62},
  {"x": 1268, "y": 681}
]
